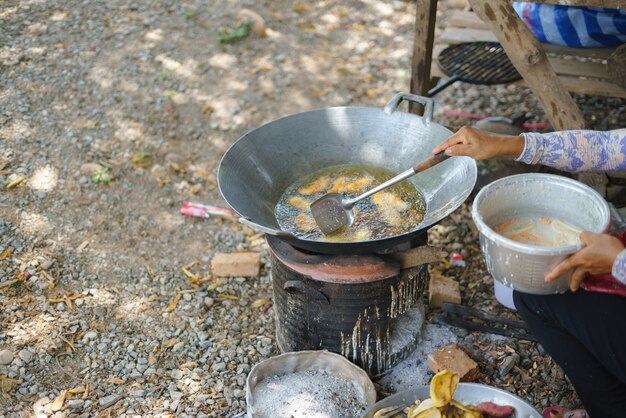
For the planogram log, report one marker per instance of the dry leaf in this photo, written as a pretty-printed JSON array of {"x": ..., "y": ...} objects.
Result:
[
  {"x": 225, "y": 296},
  {"x": 171, "y": 342},
  {"x": 15, "y": 182},
  {"x": 172, "y": 305},
  {"x": 83, "y": 245},
  {"x": 149, "y": 271},
  {"x": 5, "y": 254},
  {"x": 59, "y": 401},
  {"x": 214, "y": 285},
  {"x": 76, "y": 391},
  {"x": 8, "y": 283},
  {"x": 7, "y": 384},
  {"x": 259, "y": 302},
  {"x": 116, "y": 381}
]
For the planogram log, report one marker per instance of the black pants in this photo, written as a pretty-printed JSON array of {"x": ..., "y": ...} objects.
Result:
[{"x": 585, "y": 333}]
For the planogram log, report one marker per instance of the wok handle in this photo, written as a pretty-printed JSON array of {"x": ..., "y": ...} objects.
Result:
[
  {"x": 430, "y": 162},
  {"x": 299, "y": 286},
  {"x": 427, "y": 102},
  {"x": 271, "y": 231}
]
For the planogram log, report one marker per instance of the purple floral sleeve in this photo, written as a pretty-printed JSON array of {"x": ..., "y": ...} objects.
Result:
[
  {"x": 577, "y": 151},
  {"x": 619, "y": 267}
]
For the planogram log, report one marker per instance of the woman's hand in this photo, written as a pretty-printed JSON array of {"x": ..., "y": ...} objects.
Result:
[
  {"x": 596, "y": 257},
  {"x": 481, "y": 145}
]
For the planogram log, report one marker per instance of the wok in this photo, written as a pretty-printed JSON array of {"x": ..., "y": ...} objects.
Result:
[{"x": 259, "y": 166}]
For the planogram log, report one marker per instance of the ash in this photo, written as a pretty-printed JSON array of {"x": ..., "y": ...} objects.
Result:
[
  {"x": 414, "y": 371},
  {"x": 311, "y": 394}
]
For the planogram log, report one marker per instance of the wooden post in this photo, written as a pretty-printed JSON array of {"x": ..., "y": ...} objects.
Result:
[
  {"x": 528, "y": 56},
  {"x": 423, "y": 37}
]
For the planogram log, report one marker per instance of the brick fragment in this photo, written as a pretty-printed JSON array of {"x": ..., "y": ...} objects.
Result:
[
  {"x": 443, "y": 289},
  {"x": 236, "y": 264},
  {"x": 454, "y": 359}
]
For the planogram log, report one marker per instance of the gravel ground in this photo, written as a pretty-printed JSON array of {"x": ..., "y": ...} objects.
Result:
[{"x": 97, "y": 315}]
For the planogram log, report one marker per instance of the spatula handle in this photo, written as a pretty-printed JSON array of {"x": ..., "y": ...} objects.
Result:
[{"x": 431, "y": 161}]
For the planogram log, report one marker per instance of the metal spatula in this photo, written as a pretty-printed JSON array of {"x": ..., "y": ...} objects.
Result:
[{"x": 332, "y": 211}]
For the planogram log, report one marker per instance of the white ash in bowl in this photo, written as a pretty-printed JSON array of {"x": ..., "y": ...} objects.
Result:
[{"x": 309, "y": 393}]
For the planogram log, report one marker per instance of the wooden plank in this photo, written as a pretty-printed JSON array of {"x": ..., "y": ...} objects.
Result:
[
  {"x": 601, "y": 53},
  {"x": 595, "y": 87},
  {"x": 423, "y": 37},
  {"x": 577, "y": 68},
  {"x": 465, "y": 19},
  {"x": 528, "y": 56},
  {"x": 592, "y": 86},
  {"x": 457, "y": 35}
]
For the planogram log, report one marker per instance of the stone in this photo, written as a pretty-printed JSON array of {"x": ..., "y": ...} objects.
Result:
[
  {"x": 6, "y": 357},
  {"x": 443, "y": 289},
  {"x": 75, "y": 403},
  {"x": 176, "y": 374},
  {"x": 236, "y": 264},
  {"x": 89, "y": 169},
  {"x": 109, "y": 400},
  {"x": 46, "y": 264},
  {"x": 90, "y": 335},
  {"x": 26, "y": 355},
  {"x": 508, "y": 363},
  {"x": 454, "y": 359},
  {"x": 208, "y": 302}
]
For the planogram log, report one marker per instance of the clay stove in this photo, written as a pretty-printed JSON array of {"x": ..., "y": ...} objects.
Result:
[{"x": 364, "y": 307}]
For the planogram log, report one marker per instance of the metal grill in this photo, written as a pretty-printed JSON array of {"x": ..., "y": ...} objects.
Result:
[{"x": 478, "y": 63}]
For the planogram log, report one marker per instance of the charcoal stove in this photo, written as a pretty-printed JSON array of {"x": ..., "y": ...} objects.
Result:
[{"x": 364, "y": 307}]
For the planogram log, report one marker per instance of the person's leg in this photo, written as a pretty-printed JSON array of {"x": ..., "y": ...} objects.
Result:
[{"x": 585, "y": 333}]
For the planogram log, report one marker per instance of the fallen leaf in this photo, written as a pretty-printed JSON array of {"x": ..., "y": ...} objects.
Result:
[
  {"x": 77, "y": 390},
  {"x": 259, "y": 302},
  {"x": 7, "y": 384},
  {"x": 214, "y": 285},
  {"x": 83, "y": 245},
  {"x": 171, "y": 342},
  {"x": 59, "y": 401},
  {"x": 5, "y": 254},
  {"x": 172, "y": 305},
  {"x": 116, "y": 381},
  {"x": 225, "y": 296},
  {"x": 8, "y": 283},
  {"x": 15, "y": 182},
  {"x": 149, "y": 271}
]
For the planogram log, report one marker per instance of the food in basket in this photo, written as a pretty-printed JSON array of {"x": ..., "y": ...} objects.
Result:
[
  {"x": 394, "y": 211},
  {"x": 441, "y": 405},
  {"x": 539, "y": 230}
]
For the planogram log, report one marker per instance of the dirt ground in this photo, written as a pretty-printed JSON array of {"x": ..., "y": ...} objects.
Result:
[{"x": 94, "y": 299}]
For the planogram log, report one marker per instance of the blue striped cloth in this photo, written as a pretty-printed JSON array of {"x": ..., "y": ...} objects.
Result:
[{"x": 577, "y": 27}]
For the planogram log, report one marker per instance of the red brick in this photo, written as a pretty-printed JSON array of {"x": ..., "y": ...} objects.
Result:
[
  {"x": 454, "y": 359},
  {"x": 443, "y": 289},
  {"x": 236, "y": 264}
]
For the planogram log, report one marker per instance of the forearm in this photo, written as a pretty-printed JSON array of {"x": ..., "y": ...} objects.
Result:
[
  {"x": 619, "y": 267},
  {"x": 577, "y": 151}
]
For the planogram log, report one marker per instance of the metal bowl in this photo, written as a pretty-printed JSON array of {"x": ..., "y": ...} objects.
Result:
[
  {"x": 466, "y": 393},
  {"x": 300, "y": 361},
  {"x": 523, "y": 266}
]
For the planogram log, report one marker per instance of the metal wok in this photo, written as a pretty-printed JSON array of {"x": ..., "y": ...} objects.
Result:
[{"x": 258, "y": 167}]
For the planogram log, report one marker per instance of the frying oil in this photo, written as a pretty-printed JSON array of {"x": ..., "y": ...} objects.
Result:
[
  {"x": 393, "y": 211},
  {"x": 540, "y": 230}
]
